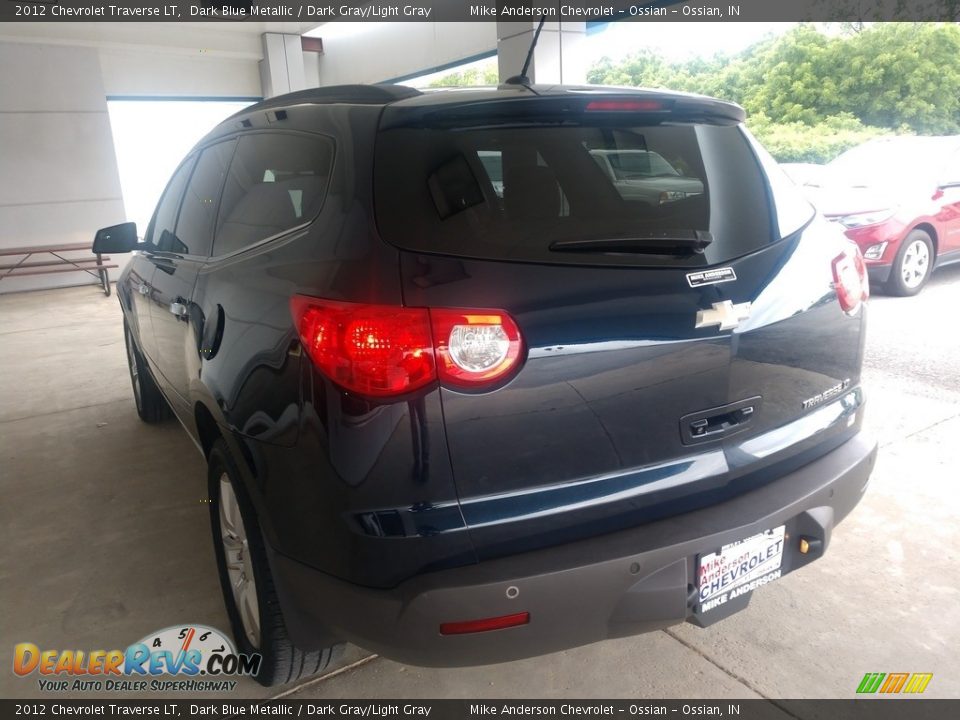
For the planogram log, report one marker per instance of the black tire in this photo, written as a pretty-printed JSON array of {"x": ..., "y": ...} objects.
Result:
[
  {"x": 151, "y": 405},
  {"x": 282, "y": 661},
  {"x": 906, "y": 264}
]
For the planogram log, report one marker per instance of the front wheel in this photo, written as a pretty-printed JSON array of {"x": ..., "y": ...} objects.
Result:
[
  {"x": 912, "y": 265},
  {"x": 247, "y": 583}
]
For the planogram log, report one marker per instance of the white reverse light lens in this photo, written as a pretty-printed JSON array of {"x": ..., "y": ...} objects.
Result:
[{"x": 476, "y": 348}]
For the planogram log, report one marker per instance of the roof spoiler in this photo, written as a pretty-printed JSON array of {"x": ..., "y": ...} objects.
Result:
[
  {"x": 571, "y": 107},
  {"x": 345, "y": 94}
]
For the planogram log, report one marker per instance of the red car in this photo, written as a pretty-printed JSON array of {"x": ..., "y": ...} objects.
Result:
[{"x": 899, "y": 199}]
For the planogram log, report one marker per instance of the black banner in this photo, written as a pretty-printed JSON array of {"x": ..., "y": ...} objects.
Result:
[
  {"x": 477, "y": 10},
  {"x": 874, "y": 709}
]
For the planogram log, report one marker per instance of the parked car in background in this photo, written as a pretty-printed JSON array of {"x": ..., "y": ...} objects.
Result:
[
  {"x": 803, "y": 173},
  {"x": 899, "y": 200},
  {"x": 462, "y": 400},
  {"x": 645, "y": 176}
]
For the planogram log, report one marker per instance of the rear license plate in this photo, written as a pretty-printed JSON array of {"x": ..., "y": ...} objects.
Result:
[{"x": 739, "y": 568}]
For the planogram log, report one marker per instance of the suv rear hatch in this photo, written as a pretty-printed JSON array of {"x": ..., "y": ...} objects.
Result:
[{"x": 676, "y": 312}]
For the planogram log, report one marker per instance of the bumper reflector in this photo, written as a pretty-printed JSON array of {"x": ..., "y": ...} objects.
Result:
[{"x": 484, "y": 624}]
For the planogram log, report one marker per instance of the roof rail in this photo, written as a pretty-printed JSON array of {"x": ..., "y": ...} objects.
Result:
[{"x": 350, "y": 94}]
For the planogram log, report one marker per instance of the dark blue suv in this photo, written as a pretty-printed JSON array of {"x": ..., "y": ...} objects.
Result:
[{"x": 485, "y": 374}]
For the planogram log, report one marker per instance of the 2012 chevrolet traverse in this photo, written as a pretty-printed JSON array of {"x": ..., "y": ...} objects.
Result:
[{"x": 465, "y": 397}]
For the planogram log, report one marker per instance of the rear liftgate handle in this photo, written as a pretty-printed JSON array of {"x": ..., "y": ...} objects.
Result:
[{"x": 718, "y": 422}]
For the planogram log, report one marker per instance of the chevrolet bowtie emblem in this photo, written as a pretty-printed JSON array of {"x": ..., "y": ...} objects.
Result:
[{"x": 725, "y": 314}]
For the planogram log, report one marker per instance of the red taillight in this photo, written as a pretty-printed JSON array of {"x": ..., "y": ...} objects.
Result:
[
  {"x": 485, "y": 625},
  {"x": 624, "y": 105},
  {"x": 376, "y": 350},
  {"x": 850, "y": 279},
  {"x": 475, "y": 347},
  {"x": 388, "y": 350}
]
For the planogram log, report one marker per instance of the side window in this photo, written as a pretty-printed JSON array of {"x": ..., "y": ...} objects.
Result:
[
  {"x": 793, "y": 209},
  {"x": 492, "y": 162},
  {"x": 646, "y": 177},
  {"x": 165, "y": 216},
  {"x": 533, "y": 190},
  {"x": 276, "y": 182},
  {"x": 194, "y": 235}
]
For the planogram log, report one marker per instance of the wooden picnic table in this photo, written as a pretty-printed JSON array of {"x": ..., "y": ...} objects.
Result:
[{"x": 94, "y": 265}]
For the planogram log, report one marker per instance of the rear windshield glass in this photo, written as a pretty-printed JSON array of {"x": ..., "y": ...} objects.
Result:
[{"x": 519, "y": 193}]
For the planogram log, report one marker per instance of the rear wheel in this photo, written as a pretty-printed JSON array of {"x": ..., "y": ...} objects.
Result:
[
  {"x": 151, "y": 406},
  {"x": 912, "y": 265},
  {"x": 247, "y": 583}
]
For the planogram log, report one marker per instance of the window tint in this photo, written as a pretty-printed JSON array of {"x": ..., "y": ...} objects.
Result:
[
  {"x": 493, "y": 166},
  {"x": 276, "y": 182},
  {"x": 165, "y": 217},
  {"x": 510, "y": 192},
  {"x": 199, "y": 209},
  {"x": 633, "y": 164}
]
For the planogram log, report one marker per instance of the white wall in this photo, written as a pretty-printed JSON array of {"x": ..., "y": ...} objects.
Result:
[
  {"x": 58, "y": 172},
  {"x": 207, "y": 59},
  {"x": 559, "y": 56},
  {"x": 383, "y": 51}
]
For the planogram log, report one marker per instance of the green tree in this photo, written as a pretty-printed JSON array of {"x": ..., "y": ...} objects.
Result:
[
  {"x": 486, "y": 75},
  {"x": 871, "y": 78},
  {"x": 820, "y": 143},
  {"x": 904, "y": 74}
]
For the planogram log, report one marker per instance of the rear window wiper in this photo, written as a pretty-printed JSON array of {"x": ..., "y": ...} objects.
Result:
[{"x": 668, "y": 242}]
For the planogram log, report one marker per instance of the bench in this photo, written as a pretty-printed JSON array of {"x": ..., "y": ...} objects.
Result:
[{"x": 95, "y": 265}]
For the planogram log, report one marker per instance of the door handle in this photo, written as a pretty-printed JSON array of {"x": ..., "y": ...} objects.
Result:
[
  {"x": 718, "y": 422},
  {"x": 178, "y": 309}
]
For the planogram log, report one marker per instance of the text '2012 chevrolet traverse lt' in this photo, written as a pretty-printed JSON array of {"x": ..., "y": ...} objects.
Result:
[{"x": 467, "y": 394}]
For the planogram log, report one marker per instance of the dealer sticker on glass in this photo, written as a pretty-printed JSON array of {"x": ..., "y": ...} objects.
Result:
[{"x": 739, "y": 568}]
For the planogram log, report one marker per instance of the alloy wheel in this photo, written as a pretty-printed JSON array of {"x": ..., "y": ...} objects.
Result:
[
  {"x": 916, "y": 262},
  {"x": 236, "y": 552}
]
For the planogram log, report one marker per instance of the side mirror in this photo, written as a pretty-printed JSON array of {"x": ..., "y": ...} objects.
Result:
[{"x": 120, "y": 238}]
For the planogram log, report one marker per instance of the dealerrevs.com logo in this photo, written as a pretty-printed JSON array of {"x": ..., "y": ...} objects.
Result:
[{"x": 200, "y": 657}]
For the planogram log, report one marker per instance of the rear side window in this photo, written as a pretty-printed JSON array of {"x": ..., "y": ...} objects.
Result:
[
  {"x": 792, "y": 208},
  {"x": 161, "y": 228},
  {"x": 198, "y": 211},
  {"x": 512, "y": 192},
  {"x": 276, "y": 182}
]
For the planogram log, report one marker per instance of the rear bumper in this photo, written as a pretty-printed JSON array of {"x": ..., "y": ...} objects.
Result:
[{"x": 615, "y": 585}]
